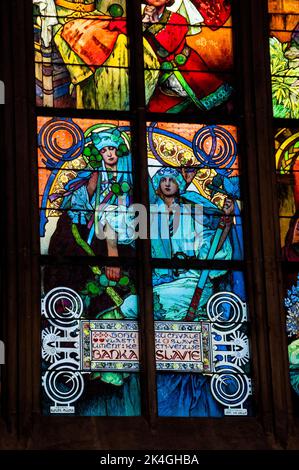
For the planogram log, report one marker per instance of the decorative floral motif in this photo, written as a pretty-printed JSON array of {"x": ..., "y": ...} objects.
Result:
[{"x": 291, "y": 302}]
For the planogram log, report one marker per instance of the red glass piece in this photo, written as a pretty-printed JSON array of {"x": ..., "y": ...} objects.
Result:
[{"x": 214, "y": 12}]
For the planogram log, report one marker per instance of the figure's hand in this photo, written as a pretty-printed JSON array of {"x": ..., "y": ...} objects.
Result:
[
  {"x": 189, "y": 174},
  {"x": 112, "y": 273},
  {"x": 150, "y": 15},
  {"x": 92, "y": 183},
  {"x": 228, "y": 207}
]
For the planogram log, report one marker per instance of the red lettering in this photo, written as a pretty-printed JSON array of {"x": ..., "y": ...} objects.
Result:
[
  {"x": 114, "y": 355},
  {"x": 177, "y": 355}
]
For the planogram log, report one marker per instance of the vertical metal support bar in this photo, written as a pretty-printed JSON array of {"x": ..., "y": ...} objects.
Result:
[
  {"x": 147, "y": 332},
  {"x": 269, "y": 220},
  {"x": 9, "y": 377},
  {"x": 261, "y": 373}
]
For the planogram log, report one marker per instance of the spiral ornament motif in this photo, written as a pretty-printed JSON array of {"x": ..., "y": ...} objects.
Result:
[
  {"x": 63, "y": 307},
  {"x": 230, "y": 386},
  {"x": 60, "y": 140},
  {"x": 64, "y": 385},
  {"x": 215, "y": 147},
  {"x": 225, "y": 308}
]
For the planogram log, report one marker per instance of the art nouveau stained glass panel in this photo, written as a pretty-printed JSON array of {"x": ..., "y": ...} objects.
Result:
[
  {"x": 188, "y": 55},
  {"x": 287, "y": 166},
  {"x": 202, "y": 350},
  {"x": 286, "y": 155},
  {"x": 90, "y": 341},
  {"x": 85, "y": 179},
  {"x": 284, "y": 55},
  {"x": 81, "y": 54},
  {"x": 291, "y": 302},
  {"x": 90, "y": 310},
  {"x": 194, "y": 188}
]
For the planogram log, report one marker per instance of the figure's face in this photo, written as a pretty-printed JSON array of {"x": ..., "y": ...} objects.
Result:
[
  {"x": 157, "y": 3},
  {"x": 109, "y": 155},
  {"x": 168, "y": 187},
  {"x": 296, "y": 232}
]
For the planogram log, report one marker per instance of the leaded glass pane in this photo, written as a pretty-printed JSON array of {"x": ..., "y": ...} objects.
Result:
[
  {"x": 81, "y": 54},
  {"x": 284, "y": 56},
  {"x": 287, "y": 146},
  {"x": 85, "y": 186},
  {"x": 90, "y": 340},
  {"x": 194, "y": 188},
  {"x": 188, "y": 55},
  {"x": 202, "y": 346}
]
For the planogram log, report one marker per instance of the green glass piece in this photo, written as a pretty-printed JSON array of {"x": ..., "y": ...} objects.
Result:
[
  {"x": 93, "y": 288},
  {"x": 95, "y": 161},
  {"x": 104, "y": 281},
  {"x": 122, "y": 150},
  {"x": 115, "y": 10},
  {"x": 115, "y": 188},
  {"x": 125, "y": 187},
  {"x": 87, "y": 151},
  {"x": 293, "y": 350},
  {"x": 165, "y": 66},
  {"x": 180, "y": 59},
  {"x": 124, "y": 281}
]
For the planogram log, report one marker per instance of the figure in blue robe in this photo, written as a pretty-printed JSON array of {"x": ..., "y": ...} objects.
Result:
[
  {"x": 183, "y": 226},
  {"x": 92, "y": 202}
]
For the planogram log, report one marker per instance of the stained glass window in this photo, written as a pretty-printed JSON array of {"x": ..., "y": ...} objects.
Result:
[
  {"x": 188, "y": 55},
  {"x": 284, "y": 47},
  {"x": 286, "y": 152},
  {"x": 85, "y": 175},
  {"x": 90, "y": 343},
  {"x": 202, "y": 359},
  {"x": 284, "y": 55},
  {"x": 81, "y": 54},
  {"x": 202, "y": 160},
  {"x": 202, "y": 346},
  {"x": 96, "y": 214}
]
